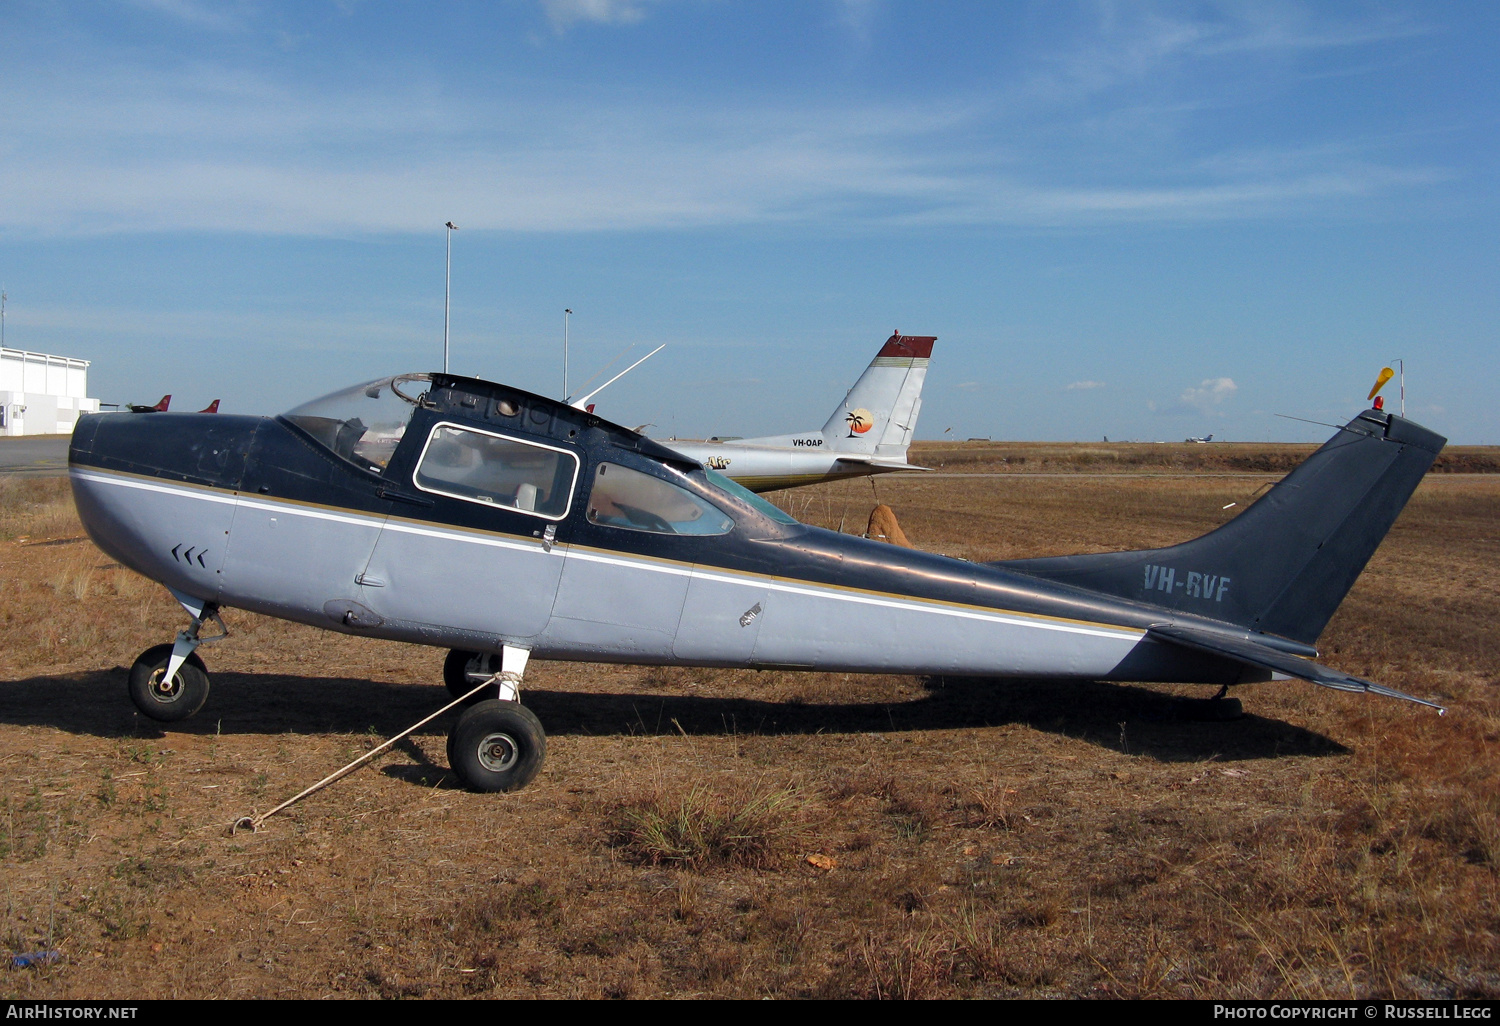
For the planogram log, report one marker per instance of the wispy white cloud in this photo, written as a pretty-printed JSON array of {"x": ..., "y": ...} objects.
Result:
[
  {"x": 564, "y": 14},
  {"x": 1137, "y": 42},
  {"x": 135, "y": 148},
  {"x": 1211, "y": 393},
  {"x": 218, "y": 17},
  {"x": 1203, "y": 399},
  {"x": 246, "y": 156},
  {"x": 1084, "y": 385},
  {"x": 292, "y": 331},
  {"x": 857, "y": 17}
]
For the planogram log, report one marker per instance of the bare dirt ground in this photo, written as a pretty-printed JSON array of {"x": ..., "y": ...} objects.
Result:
[{"x": 747, "y": 834}]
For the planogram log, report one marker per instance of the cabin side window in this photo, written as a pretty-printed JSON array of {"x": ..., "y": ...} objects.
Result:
[
  {"x": 626, "y": 498},
  {"x": 483, "y": 467}
]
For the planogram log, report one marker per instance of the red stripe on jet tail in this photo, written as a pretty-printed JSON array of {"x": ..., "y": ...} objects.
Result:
[{"x": 916, "y": 346}]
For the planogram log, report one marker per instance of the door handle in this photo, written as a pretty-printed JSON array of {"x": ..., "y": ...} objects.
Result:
[{"x": 410, "y": 500}]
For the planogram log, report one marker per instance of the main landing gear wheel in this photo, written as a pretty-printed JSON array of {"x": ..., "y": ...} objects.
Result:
[
  {"x": 464, "y": 671},
  {"x": 168, "y": 700},
  {"x": 497, "y": 746}
]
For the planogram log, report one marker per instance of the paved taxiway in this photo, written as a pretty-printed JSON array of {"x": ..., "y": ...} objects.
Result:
[{"x": 35, "y": 455}]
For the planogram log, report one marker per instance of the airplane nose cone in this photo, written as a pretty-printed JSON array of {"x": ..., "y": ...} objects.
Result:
[
  {"x": 208, "y": 449},
  {"x": 156, "y": 491}
]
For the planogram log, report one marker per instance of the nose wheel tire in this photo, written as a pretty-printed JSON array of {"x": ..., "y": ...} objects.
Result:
[
  {"x": 463, "y": 671},
  {"x": 168, "y": 700},
  {"x": 497, "y": 746}
]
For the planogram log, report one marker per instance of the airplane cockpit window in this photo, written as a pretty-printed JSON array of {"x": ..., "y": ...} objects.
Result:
[
  {"x": 733, "y": 487},
  {"x": 363, "y": 424},
  {"x": 479, "y": 466},
  {"x": 626, "y": 498}
]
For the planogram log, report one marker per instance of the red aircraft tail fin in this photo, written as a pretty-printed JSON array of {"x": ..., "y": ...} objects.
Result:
[
  {"x": 166, "y": 401},
  {"x": 212, "y": 407}
]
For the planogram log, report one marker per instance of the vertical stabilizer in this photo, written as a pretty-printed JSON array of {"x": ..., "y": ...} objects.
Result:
[
  {"x": 879, "y": 414},
  {"x": 1284, "y": 565}
]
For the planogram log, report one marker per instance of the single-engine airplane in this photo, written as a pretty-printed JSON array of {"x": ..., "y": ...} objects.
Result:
[
  {"x": 868, "y": 433},
  {"x": 464, "y": 514}
]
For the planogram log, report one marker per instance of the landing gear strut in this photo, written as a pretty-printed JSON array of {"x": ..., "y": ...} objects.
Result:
[
  {"x": 497, "y": 744},
  {"x": 169, "y": 682},
  {"x": 463, "y": 671}
]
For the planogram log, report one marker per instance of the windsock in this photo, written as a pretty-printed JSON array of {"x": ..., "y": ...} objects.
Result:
[{"x": 1385, "y": 375}]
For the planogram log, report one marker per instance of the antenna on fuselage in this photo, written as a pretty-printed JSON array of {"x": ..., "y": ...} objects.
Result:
[
  {"x": 566, "y": 315},
  {"x": 579, "y": 403},
  {"x": 447, "y": 284}
]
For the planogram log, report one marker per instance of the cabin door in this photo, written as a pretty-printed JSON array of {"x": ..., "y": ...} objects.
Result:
[
  {"x": 472, "y": 548},
  {"x": 494, "y": 584}
]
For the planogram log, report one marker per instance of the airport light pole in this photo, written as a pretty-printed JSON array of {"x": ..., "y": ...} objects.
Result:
[
  {"x": 447, "y": 286},
  {"x": 566, "y": 315}
]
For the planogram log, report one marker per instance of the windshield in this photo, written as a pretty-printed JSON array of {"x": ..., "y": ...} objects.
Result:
[
  {"x": 363, "y": 424},
  {"x": 744, "y": 494},
  {"x": 626, "y": 498}
]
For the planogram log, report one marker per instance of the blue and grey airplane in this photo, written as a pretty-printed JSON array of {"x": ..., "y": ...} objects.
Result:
[{"x": 459, "y": 513}]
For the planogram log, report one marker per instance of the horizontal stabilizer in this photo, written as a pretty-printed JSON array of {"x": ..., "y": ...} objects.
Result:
[
  {"x": 876, "y": 461},
  {"x": 1254, "y": 653}
]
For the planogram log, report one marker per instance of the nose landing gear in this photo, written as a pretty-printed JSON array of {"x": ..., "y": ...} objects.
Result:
[
  {"x": 164, "y": 698},
  {"x": 169, "y": 683}
]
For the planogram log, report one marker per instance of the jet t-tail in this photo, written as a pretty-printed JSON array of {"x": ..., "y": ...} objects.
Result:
[
  {"x": 501, "y": 525},
  {"x": 868, "y": 433}
]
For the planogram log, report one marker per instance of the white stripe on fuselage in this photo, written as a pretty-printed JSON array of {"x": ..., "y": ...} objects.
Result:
[{"x": 646, "y": 563}]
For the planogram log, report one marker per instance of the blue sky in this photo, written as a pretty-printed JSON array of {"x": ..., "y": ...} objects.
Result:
[{"x": 1140, "y": 220}]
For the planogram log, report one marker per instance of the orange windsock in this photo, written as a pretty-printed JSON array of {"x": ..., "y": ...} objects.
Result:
[{"x": 1385, "y": 375}]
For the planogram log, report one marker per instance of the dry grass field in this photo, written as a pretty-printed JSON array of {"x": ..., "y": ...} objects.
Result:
[{"x": 752, "y": 834}]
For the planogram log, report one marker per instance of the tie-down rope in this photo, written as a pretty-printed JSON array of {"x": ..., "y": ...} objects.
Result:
[{"x": 254, "y": 822}]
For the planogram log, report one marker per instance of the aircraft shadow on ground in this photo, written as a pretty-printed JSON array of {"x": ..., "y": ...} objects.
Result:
[{"x": 1131, "y": 720}]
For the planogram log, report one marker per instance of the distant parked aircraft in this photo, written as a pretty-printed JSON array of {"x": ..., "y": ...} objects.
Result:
[
  {"x": 160, "y": 407},
  {"x": 868, "y": 433}
]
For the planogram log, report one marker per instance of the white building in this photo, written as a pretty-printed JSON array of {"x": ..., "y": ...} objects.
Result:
[{"x": 42, "y": 394}]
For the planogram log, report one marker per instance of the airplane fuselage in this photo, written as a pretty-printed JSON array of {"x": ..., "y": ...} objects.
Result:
[
  {"x": 767, "y": 466},
  {"x": 256, "y": 514}
]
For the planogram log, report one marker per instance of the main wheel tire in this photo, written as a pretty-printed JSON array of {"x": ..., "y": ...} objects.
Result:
[
  {"x": 458, "y": 666},
  {"x": 163, "y": 700},
  {"x": 497, "y": 746}
]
